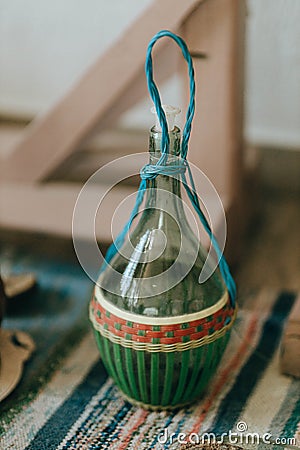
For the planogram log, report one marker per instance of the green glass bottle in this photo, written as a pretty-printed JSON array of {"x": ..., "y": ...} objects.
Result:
[{"x": 160, "y": 332}]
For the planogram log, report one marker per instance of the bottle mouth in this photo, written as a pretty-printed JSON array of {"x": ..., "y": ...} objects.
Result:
[{"x": 171, "y": 112}]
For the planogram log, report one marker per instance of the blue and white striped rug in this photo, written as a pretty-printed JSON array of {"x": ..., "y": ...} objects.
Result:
[{"x": 72, "y": 404}]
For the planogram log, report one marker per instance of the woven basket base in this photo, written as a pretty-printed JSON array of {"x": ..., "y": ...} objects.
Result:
[{"x": 150, "y": 407}]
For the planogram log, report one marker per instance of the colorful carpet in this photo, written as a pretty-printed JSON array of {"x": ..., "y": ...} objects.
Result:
[{"x": 66, "y": 400}]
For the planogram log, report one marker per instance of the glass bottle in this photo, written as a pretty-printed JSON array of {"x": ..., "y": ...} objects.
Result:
[{"x": 151, "y": 286}]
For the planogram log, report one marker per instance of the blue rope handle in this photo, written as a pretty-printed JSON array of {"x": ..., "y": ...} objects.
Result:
[
  {"x": 151, "y": 171},
  {"x": 154, "y": 93}
]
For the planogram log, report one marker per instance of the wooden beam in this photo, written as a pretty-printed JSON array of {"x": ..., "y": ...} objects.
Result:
[
  {"x": 52, "y": 137},
  {"x": 49, "y": 208},
  {"x": 216, "y": 30},
  {"x": 167, "y": 59}
]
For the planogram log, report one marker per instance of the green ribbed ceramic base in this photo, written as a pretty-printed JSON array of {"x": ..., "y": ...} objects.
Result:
[{"x": 161, "y": 380}]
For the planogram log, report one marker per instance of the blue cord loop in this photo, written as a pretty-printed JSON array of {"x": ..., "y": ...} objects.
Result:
[
  {"x": 162, "y": 167},
  {"x": 154, "y": 94}
]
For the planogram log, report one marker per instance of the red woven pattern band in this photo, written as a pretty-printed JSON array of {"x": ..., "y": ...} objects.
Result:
[{"x": 161, "y": 334}]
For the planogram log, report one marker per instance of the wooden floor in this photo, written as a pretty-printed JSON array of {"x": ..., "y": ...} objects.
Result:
[{"x": 271, "y": 253}]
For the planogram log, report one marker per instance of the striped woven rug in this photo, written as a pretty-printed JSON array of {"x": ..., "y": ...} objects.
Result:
[{"x": 66, "y": 400}]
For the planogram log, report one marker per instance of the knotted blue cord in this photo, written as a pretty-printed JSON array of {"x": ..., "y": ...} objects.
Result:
[{"x": 150, "y": 171}]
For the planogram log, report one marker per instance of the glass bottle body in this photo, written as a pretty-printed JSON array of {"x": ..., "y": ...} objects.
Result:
[{"x": 160, "y": 264}]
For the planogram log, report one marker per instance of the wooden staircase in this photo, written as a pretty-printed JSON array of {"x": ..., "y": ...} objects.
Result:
[{"x": 42, "y": 168}]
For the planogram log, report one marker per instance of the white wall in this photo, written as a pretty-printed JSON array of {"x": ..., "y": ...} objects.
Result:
[
  {"x": 45, "y": 46},
  {"x": 273, "y": 72}
]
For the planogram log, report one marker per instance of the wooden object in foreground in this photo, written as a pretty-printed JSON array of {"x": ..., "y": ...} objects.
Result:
[
  {"x": 15, "y": 348},
  {"x": 17, "y": 284},
  {"x": 290, "y": 345},
  {"x": 2, "y": 300}
]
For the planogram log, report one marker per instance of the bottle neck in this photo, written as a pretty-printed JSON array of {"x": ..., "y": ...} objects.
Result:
[{"x": 156, "y": 187}]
